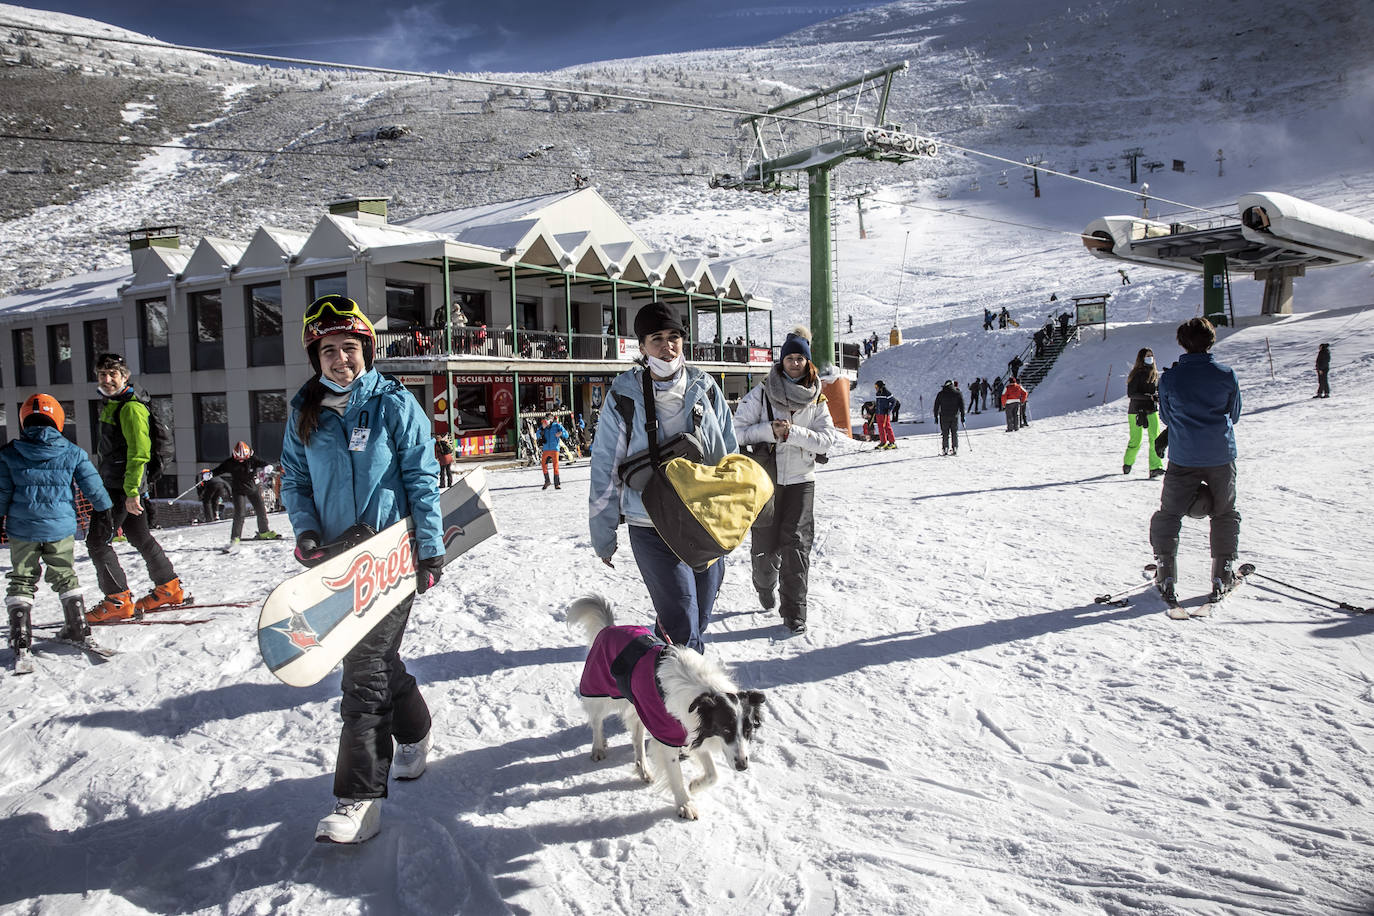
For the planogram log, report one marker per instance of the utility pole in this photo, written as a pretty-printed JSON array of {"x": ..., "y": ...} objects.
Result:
[
  {"x": 1133, "y": 156},
  {"x": 1035, "y": 172},
  {"x": 859, "y": 199},
  {"x": 1220, "y": 167},
  {"x": 1144, "y": 199},
  {"x": 877, "y": 141}
]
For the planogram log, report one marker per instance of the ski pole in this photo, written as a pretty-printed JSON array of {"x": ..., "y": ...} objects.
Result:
[
  {"x": 184, "y": 492},
  {"x": 1115, "y": 596},
  {"x": 968, "y": 440},
  {"x": 1343, "y": 605}
]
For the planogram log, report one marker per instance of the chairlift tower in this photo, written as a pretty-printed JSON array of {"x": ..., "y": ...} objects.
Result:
[{"x": 816, "y": 133}]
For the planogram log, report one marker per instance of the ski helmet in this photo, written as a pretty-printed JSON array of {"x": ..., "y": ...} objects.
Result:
[
  {"x": 336, "y": 315},
  {"x": 243, "y": 451},
  {"x": 43, "y": 409}
]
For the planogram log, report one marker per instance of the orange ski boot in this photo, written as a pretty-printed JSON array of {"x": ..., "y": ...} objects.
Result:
[
  {"x": 165, "y": 595},
  {"x": 119, "y": 606}
]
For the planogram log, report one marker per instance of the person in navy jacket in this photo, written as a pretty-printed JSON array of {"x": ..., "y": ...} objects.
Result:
[
  {"x": 37, "y": 471},
  {"x": 1199, "y": 401},
  {"x": 358, "y": 450}
]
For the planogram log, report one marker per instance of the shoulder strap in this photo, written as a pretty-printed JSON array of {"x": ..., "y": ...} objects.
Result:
[{"x": 650, "y": 416}]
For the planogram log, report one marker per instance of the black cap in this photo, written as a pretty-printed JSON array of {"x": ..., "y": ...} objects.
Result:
[{"x": 658, "y": 316}]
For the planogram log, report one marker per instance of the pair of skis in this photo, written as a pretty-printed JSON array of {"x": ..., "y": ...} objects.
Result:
[
  {"x": 1175, "y": 608},
  {"x": 23, "y": 661}
]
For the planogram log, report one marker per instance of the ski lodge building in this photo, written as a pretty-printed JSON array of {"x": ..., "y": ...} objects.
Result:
[{"x": 489, "y": 315}]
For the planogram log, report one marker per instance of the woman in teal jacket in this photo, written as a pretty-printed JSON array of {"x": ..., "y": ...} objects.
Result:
[{"x": 358, "y": 450}]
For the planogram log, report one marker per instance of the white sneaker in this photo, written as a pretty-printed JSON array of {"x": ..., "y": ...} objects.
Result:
[
  {"x": 353, "y": 821},
  {"x": 410, "y": 759}
]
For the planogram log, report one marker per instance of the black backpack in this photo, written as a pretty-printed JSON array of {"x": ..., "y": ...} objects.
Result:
[{"x": 162, "y": 448}]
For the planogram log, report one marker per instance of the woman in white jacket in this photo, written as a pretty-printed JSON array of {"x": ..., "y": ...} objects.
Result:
[{"x": 788, "y": 414}]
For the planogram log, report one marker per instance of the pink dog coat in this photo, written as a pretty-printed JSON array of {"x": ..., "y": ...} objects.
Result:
[{"x": 623, "y": 663}]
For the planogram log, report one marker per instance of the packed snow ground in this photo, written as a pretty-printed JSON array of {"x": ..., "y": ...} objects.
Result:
[{"x": 962, "y": 729}]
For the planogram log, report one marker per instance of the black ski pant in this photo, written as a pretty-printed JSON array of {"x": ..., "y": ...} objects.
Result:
[
  {"x": 1013, "y": 410},
  {"x": 1180, "y": 488},
  {"x": 211, "y": 506},
  {"x": 381, "y": 707},
  {"x": 108, "y": 573},
  {"x": 780, "y": 549},
  {"x": 445, "y": 476},
  {"x": 241, "y": 501},
  {"x": 949, "y": 433}
]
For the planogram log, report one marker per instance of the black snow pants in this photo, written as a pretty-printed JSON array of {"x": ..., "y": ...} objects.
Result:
[
  {"x": 108, "y": 573},
  {"x": 781, "y": 549},
  {"x": 949, "y": 433},
  {"x": 1177, "y": 494},
  {"x": 241, "y": 501},
  {"x": 381, "y": 705}
]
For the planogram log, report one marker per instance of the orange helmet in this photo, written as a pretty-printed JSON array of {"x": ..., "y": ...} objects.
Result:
[
  {"x": 46, "y": 408},
  {"x": 242, "y": 451}
]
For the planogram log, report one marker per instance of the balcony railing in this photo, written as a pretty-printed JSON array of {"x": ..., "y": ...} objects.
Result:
[
  {"x": 428, "y": 341},
  {"x": 416, "y": 342}
]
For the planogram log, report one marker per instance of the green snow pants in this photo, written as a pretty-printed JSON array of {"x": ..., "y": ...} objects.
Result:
[
  {"x": 1133, "y": 446},
  {"x": 27, "y": 559}
]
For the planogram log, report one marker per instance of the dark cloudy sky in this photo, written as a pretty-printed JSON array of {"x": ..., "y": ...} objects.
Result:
[{"x": 462, "y": 36}]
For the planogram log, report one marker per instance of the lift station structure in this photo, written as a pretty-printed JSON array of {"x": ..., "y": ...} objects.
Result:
[
  {"x": 816, "y": 133},
  {"x": 1276, "y": 237}
]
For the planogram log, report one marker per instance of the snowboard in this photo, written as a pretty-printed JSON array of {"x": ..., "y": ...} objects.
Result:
[{"x": 312, "y": 620}]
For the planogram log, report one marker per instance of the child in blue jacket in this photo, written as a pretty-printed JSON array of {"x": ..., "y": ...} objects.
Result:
[
  {"x": 36, "y": 475},
  {"x": 550, "y": 434}
]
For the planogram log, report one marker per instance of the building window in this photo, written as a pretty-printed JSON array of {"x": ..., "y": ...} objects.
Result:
[
  {"x": 60, "y": 354},
  {"x": 269, "y": 423},
  {"x": 96, "y": 405},
  {"x": 207, "y": 330},
  {"x": 328, "y": 285},
  {"x": 97, "y": 342},
  {"x": 264, "y": 325},
  {"x": 212, "y": 428},
  {"x": 470, "y": 407},
  {"x": 69, "y": 427},
  {"x": 405, "y": 305},
  {"x": 528, "y": 310},
  {"x": 25, "y": 362},
  {"x": 152, "y": 322},
  {"x": 473, "y": 303},
  {"x": 160, "y": 405}
]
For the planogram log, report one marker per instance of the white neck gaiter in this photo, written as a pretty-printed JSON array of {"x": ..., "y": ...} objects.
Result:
[{"x": 665, "y": 369}]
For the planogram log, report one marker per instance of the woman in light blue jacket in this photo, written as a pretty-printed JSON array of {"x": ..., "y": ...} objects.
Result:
[
  {"x": 358, "y": 450},
  {"x": 685, "y": 399}
]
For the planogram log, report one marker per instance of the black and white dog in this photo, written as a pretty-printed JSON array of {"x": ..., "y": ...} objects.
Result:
[{"x": 682, "y": 699}]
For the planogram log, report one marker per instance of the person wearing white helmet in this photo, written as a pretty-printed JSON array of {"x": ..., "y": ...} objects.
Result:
[{"x": 242, "y": 467}]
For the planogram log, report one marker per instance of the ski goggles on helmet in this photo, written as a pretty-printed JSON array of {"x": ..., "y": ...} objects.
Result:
[{"x": 334, "y": 315}]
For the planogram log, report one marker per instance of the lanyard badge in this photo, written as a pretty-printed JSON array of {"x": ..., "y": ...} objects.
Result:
[{"x": 358, "y": 441}]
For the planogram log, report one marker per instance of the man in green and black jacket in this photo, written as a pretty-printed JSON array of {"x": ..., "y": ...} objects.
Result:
[{"x": 122, "y": 454}]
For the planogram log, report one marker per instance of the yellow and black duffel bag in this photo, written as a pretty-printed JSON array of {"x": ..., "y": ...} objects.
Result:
[{"x": 703, "y": 511}]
